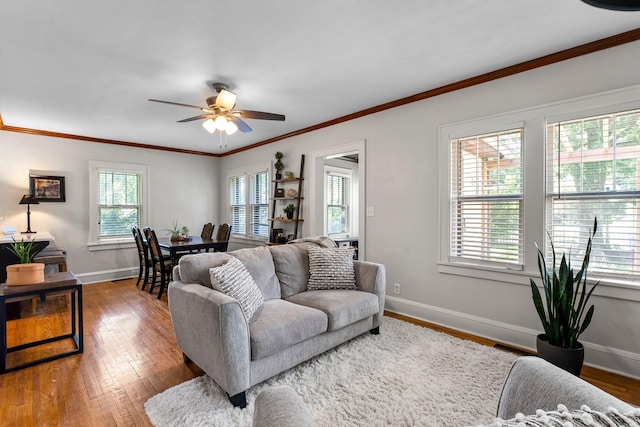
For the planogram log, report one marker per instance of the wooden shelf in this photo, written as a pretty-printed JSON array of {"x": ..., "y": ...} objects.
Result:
[
  {"x": 280, "y": 186},
  {"x": 287, "y": 180},
  {"x": 286, "y": 198}
]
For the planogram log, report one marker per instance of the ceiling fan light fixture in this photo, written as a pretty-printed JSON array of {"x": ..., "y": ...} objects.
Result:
[
  {"x": 221, "y": 123},
  {"x": 226, "y": 100},
  {"x": 231, "y": 128},
  {"x": 209, "y": 125}
]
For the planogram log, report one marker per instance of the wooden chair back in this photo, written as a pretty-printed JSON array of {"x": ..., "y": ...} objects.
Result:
[{"x": 207, "y": 231}]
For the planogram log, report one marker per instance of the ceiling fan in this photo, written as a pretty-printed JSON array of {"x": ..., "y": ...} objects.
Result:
[{"x": 220, "y": 114}]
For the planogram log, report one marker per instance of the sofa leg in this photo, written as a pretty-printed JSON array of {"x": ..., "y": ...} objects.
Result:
[
  {"x": 239, "y": 400},
  {"x": 375, "y": 331}
]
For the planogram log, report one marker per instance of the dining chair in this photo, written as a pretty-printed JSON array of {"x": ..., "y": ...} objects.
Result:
[
  {"x": 160, "y": 264},
  {"x": 143, "y": 257},
  {"x": 224, "y": 232},
  {"x": 207, "y": 231}
]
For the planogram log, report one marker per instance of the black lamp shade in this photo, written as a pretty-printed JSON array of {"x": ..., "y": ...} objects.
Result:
[
  {"x": 28, "y": 199},
  {"x": 626, "y": 5}
]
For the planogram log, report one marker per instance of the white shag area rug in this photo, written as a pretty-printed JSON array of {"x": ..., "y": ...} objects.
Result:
[{"x": 406, "y": 376}]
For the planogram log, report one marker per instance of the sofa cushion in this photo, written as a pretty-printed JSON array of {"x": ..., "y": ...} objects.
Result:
[
  {"x": 342, "y": 307},
  {"x": 195, "y": 268},
  {"x": 234, "y": 280},
  {"x": 292, "y": 267},
  {"x": 281, "y": 324},
  {"x": 331, "y": 268},
  {"x": 259, "y": 262}
]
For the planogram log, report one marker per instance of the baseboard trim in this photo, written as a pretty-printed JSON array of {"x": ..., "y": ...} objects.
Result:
[
  {"x": 107, "y": 275},
  {"x": 614, "y": 360}
]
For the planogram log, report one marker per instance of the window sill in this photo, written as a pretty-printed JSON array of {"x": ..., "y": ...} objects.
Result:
[
  {"x": 114, "y": 244},
  {"x": 608, "y": 287}
]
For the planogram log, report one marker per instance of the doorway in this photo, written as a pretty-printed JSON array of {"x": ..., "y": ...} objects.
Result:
[{"x": 345, "y": 154}]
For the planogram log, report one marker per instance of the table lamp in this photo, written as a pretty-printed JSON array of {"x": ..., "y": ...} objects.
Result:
[{"x": 28, "y": 200}]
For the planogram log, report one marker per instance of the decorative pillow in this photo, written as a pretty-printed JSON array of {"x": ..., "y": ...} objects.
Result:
[
  {"x": 331, "y": 268},
  {"x": 565, "y": 418},
  {"x": 234, "y": 280}
]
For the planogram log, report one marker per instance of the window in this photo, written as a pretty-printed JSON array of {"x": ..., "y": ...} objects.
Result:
[
  {"x": 118, "y": 194},
  {"x": 593, "y": 166},
  {"x": 249, "y": 207},
  {"x": 338, "y": 199},
  {"x": 486, "y": 212}
]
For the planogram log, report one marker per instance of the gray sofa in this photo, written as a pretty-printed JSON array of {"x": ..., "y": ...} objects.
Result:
[
  {"x": 292, "y": 325},
  {"x": 532, "y": 385}
]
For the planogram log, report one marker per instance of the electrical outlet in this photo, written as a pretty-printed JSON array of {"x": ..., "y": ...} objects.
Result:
[
  {"x": 371, "y": 211},
  {"x": 396, "y": 288}
]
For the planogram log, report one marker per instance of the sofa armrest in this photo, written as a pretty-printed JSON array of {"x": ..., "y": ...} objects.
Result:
[
  {"x": 211, "y": 331},
  {"x": 533, "y": 383},
  {"x": 371, "y": 277}
]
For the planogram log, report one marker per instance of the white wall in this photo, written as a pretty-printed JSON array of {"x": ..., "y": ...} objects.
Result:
[
  {"x": 182, "y": 187},
  {"x": 401, "y": 183}
]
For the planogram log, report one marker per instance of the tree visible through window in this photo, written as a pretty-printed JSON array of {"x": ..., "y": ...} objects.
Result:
[
  {"x": 594, "y": 171},
  {"x": 487, "y": 198}
]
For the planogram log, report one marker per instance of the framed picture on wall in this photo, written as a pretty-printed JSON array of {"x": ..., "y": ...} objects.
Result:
[{"x": 47, "y": 188}]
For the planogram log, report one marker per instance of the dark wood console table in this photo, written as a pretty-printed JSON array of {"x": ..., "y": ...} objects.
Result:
[{"x": 56, "y": 283}]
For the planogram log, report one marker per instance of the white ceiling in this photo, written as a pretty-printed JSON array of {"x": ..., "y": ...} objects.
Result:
[{"x": 87, "y": 67}]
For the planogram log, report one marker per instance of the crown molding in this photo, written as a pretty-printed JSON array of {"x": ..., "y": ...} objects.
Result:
[{"x": 574, "y": 52}]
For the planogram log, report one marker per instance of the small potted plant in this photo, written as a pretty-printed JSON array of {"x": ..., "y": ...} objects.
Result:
[
  {"x": 278, "y": 165},
  {"x": 178, "y": 233},
  {"x": 564, "y": 314},
  {"x": 27, "y": 272},
  {"x": 289, "y": 210}
]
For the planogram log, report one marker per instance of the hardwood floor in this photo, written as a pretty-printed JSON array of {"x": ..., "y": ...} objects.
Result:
[{"x": 130, "y": 354}]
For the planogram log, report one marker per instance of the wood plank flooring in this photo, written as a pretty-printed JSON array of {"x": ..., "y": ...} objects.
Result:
[{"x": 130, "y": 355}]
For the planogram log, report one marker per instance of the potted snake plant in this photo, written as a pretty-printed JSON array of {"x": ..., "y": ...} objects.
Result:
[
  {"x": 563, "y": 311},
  {"x": 26, "y": 272}
]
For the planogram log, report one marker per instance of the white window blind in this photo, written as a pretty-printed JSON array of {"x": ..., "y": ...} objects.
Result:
[
  {"x": 487, "y": 199},
  {"x": 119, "y": 203},
  {"x": 259, "y": 204},
  {"x": 338, "y": 191},
  {"x": 249, "y": 204},
  {"x": 237, "y": 204},
  {"x": 593, "y": 170}
]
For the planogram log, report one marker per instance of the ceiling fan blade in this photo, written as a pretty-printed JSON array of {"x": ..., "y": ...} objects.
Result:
[
  {"x": 181, "y": 105},
  {"x": 249, "y": 114},
  {"x": 241, "y": 125},
  {"x": 226, "y": 100},
  {"x": 199, "y": 117}
]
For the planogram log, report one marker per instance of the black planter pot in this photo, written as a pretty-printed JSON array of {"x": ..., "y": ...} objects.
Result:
[
  {"x": 289, "y": 215},
  {"x": 278, "y": 175},
  {"x": 569, "y": 359}
]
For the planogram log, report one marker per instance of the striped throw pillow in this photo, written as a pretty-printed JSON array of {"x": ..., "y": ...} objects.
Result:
[
  {"x": 331, "y": 268},
  {"x": 233, "y": 279}
]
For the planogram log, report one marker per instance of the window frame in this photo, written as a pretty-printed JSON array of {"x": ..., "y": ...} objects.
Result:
[
  {"x": 98, "y": 242},
  {"x": 247, "y": 174},
  {"x": 535, "y": 119},
  {"x": 346, "y": 174}
]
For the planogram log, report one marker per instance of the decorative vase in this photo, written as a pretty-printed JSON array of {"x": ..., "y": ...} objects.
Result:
[
  {"x": 569, "y": 359},
  {"x": 25, "y": 274}
]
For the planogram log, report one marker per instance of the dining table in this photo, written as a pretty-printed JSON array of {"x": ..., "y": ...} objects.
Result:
[{"x": 192, "y": 244}]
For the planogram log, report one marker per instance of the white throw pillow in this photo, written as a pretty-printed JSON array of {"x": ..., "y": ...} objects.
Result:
[
  {"x": 234, "y": 280},
  {"x": 563, "y": 417},
  {"x": 331, "y": 268}
]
